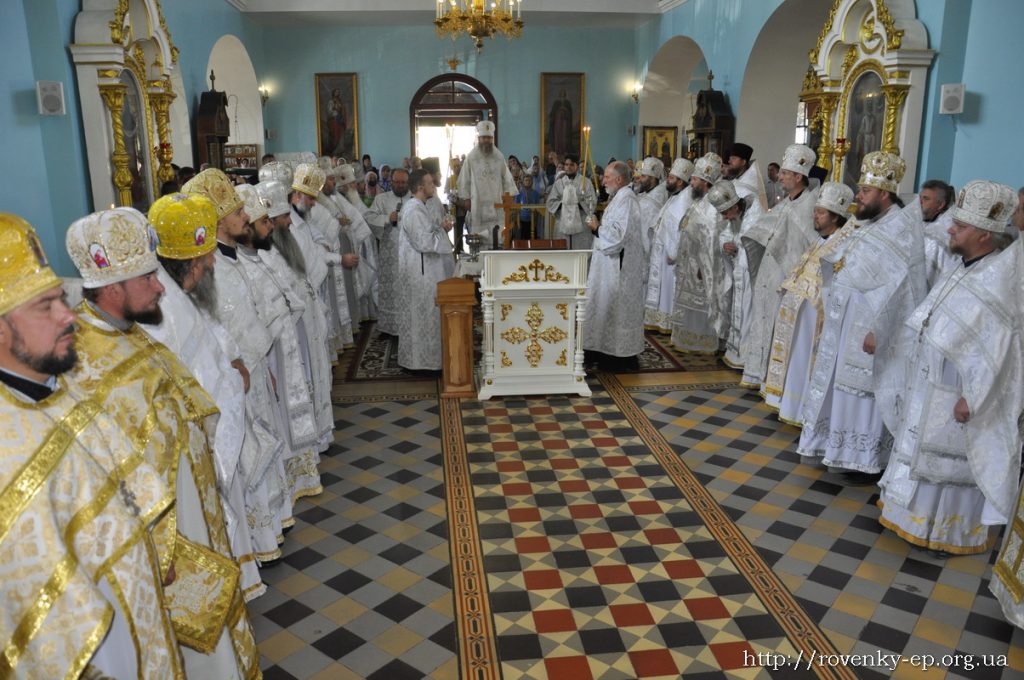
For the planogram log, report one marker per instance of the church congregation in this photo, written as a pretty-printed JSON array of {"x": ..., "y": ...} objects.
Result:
[{"x": 168, "y": 408}]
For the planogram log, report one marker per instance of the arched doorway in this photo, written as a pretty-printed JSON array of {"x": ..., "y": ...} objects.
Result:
[
  {"x": 442, "y": 118},
  {"x": 770, "y": 94},
  {"x": 674, "y": 77},
  {"x": 230, "y": 61}
]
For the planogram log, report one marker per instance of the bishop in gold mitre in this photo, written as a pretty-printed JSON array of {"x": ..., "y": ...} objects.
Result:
[
  {"x": 81, "y": 591},
  {"x": 171, "y": 420}
]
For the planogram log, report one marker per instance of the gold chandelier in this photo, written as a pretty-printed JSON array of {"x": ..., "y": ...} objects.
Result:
[{"x": 479, "y": 18}]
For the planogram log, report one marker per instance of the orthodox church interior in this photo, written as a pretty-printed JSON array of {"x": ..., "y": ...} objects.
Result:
[{"x": 663, "y": 526}]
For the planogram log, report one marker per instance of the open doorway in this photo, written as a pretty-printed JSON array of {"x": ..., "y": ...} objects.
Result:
[
  {"x": 442, "y": 119},
  {"x": 444, "y": 142}
]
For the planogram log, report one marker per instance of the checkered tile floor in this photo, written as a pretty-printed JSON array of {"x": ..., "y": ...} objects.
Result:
[
  {"x": 602, "y": 557},
  {"x": 364, "y": 590}
]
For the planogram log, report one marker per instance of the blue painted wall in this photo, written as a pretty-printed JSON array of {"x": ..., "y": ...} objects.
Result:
[
  {"x": 45, "y": 180},
  {"x": 46, "y": 177},
  {"x": 989, "y": 143},
  {"x": 393, "y": 62},
  {"x": 195, "y": 26}
]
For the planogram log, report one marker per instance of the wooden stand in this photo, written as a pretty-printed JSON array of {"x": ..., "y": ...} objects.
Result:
[{"x": 456, "y": 298}]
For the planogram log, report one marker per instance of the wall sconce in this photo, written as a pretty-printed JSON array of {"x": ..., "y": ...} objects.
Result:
[
  {"x": 636, "y": 91},
  {"x": 264, "y": 94}
]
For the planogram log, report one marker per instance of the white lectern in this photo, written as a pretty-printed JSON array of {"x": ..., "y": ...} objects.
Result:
[{"x": 533, "y": 306}]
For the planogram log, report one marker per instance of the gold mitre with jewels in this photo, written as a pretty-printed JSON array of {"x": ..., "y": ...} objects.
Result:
[
  {"x": 882, "y": 170},
  {"x": 309, "y": 178},
  {"x": 216, "y": 186},
  {"x": 111, "y": 246},
  {"x": 186, "y": 225},
  {"x": 24, "y": 270},
  {"x": 985, "y": 205}
]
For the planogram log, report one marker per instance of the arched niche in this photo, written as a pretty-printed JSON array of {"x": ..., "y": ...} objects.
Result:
[
  {"x": 124, "y": 57},
  {"x": 675, "y": 75},
  {"x": 236, "y": 77},
  {"x": 772, "y": 79},
  {"x": 865, "y": 85}
]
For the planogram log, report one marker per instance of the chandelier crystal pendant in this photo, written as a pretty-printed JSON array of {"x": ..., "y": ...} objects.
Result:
[{"x": 479, "y": 18}]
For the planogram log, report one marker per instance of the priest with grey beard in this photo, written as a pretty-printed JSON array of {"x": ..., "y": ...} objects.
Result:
[{"x": 185, "y": 225}]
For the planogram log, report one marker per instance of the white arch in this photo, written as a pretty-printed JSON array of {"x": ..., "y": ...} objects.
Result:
[
  {"x": 774, "y": 74},
  {"x": 236, "y": 77},
  {"x": 677, "y": 70}
]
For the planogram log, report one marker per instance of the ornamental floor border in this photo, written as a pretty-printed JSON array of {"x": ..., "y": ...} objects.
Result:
[{"x": 662, "y": 528}]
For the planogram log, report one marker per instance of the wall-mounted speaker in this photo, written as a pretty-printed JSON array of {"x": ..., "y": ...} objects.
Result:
[
  {"x": 50, "y": 97},
  {"x": 951, "y": 98}
]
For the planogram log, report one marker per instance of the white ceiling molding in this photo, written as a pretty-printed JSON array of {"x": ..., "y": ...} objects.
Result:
[
  {"x": 666, "y": 5},
  {"x": 240, "y": 5}
]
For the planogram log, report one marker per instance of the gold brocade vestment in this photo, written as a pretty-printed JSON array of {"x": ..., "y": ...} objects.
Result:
[
  {"x": 170, "y": 419},
  {"x": 76, "y": 504},
  {"x": 803, "y": 284}
]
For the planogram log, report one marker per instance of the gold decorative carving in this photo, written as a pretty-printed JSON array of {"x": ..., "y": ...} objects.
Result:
[
  {"x": 563, "y": 358},
  {"x": 894, "y": 36},
  {"x": 812, "y": 83},
  {"x": 135, "y": 61},
  {"x": 113, "y": 97},
  {"x": 813, "y": 54},
  {"x": 823, "y": 120},
  {"x": 167, "y": 32},
  {"x": 895, "y": 96},
  {"x": 899, "y": 75},
  {"x": 870, "y": 39},
  {"x": 505, "y": 360},
  {"x": 563, "y": 309},
  {"x": 108, "y": 73},
  {"x": 515, "y": 335},
  {"x": 117, "y": 25},
  {"x": 162, "y": 99},
  {"x": 505, "y": 309},
  {"x": 848, "y": 61},
  {"x": 534, "y": 350},
  {"x": 522, "y": 274}
]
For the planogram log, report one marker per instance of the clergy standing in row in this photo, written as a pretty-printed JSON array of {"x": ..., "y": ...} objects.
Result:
[
  {"x": 745, "y": 174},
  {"x": 652, "y": 194},
  {"x": 172, "y": 424},
  {"x": 801, "y": 311},
  {"x": 67, "y": 514},
  {"x": 661, "y": 277},
  {"x": 773, "y": 249},
  {"x": 878, "y": 279},
  {"x": 382, "y": 218},
  {"x": 738, "y": 218},
  {"x": 425, "y": 259},
  {"x": 571, "y": 200},
  {"x": 184, "y": 227},
  {"x": 697, "y": 321},
  {"x": 959, "y": 382},
  {"x": 613, "y": 333},
  {"x": 483, "y": 181}
]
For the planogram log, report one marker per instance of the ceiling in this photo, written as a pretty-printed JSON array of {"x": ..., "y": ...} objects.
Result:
[{"x": 578, "y": 13}]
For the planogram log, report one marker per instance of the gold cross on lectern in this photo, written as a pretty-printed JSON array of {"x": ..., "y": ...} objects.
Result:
[{"x": 536, "y": 267}]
